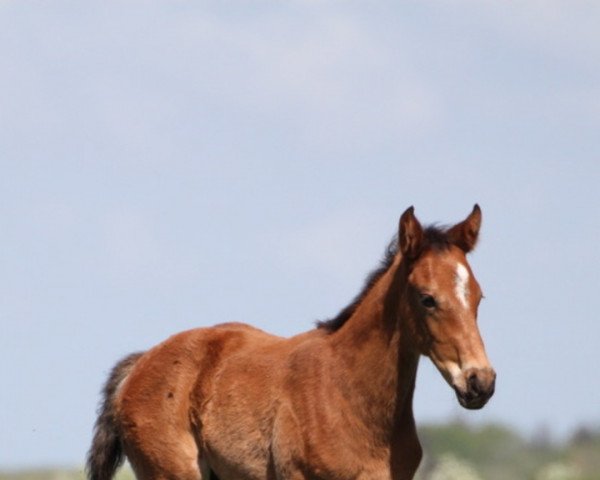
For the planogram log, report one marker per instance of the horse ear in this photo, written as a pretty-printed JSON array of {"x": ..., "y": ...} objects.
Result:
[
  {"x": 464, "y": 234},
  {"x": 410, "y": 235}
]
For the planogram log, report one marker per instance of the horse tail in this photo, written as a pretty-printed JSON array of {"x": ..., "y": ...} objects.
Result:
[{"x": 106, "y": 453}]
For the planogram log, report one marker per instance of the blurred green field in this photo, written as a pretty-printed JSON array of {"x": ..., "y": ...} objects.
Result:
[
  {"x": 495, "y": 452},
  {"x": 457, "y": 451},
  {"x": 43, "y": 474}
]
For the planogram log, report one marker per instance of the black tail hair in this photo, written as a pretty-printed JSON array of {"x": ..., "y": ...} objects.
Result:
[{"x": 106, "y": 453}]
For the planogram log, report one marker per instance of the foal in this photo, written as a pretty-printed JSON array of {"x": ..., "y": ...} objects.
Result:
[{"x": 335, "y": 403}]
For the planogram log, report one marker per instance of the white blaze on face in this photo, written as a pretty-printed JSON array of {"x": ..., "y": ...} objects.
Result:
[{"x": 461, "y": 287}]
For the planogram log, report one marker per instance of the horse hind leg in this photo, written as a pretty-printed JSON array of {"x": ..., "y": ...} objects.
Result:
[
  {"x": 167, "y": 459},
  {"x": 157, "y": 450}
]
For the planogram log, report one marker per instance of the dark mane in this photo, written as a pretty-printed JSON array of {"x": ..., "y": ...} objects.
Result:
[{"x": 435, "y": 238}]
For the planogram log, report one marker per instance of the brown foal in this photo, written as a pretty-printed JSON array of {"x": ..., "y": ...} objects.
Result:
[{"x": 335, "y": 403}]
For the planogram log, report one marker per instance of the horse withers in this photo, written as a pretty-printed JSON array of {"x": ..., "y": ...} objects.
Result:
[{"x": 232, "y": 402}]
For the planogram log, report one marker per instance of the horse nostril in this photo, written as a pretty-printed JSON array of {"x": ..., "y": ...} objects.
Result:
[{"x": 474, "y": 385}]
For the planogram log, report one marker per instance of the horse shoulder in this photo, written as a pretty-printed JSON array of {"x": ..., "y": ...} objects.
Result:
[
  {"x": 309, "y": 428},
  {"x": 317, "y": 424}
]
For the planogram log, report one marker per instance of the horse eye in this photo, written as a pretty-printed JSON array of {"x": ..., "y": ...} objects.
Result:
[{"x": 428, "y": 301}]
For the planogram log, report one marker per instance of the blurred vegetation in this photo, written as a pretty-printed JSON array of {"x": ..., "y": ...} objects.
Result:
[
  {"x": 56, "y": 474},
  {"x": 494, "y": 452},
  {"x": 457, "y": 451}
]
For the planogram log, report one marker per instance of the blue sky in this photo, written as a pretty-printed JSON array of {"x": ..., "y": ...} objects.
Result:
[{"x": 167, "y": 165}]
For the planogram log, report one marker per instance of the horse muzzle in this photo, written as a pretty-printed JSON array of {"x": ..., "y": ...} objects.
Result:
[{"x": 476, "y": 388}]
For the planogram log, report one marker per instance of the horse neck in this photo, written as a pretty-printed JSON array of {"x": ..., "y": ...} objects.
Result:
[{"x": 377, "y": 361}]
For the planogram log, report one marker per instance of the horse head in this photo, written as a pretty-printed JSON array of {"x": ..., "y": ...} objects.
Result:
[{"x": 443, "y": 297}]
